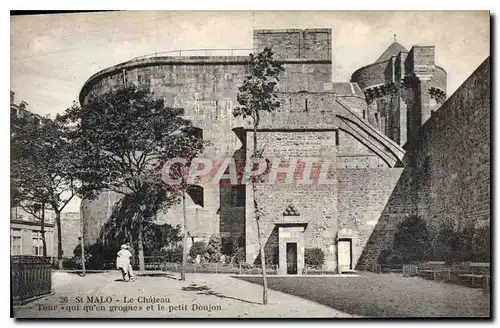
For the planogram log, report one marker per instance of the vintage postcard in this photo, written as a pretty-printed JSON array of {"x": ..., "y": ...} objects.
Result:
[{"x": 250, "y": 164}]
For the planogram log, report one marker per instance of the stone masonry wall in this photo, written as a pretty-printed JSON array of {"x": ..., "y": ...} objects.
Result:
[
  {"x": 453, "y": 154},
  {"x": 370, "y": 75},
  {"x": 446, "y": 178},
  {"x": 316, "y": 203},
  {"x": 71, "y": 231},
  {"x": 353, "y": 154},
  {"x": 362, "y": 196},
  {"x": 295, "y": 43},
  {"x": 206, "y": 88},
  {"x": 400, "y": 204}
]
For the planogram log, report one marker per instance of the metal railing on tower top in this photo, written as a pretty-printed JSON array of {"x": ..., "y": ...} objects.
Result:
[{"x": 199, "y": 52}]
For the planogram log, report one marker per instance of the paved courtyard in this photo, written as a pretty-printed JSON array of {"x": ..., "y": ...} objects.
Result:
[
  {"x": 163, "y": 295},
  {"x": 386, "y": 295}
]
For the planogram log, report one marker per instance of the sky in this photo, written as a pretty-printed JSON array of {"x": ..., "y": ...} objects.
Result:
[{"x": 53, "y": 55}]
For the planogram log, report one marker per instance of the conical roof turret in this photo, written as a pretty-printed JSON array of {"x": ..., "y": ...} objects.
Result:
[{"x": 394, "y": 49}]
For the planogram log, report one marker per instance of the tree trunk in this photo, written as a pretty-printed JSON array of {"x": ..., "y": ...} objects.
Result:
[
  {"x": 261, "y": 246},
  {"x": 140, "y": 247},
  {"x": 59, "y": 239},
  {"x": 257, "y": 216},
  {"x": 82, "y": 245},
  {"x": 42, "y": 231},
  {"x": 185, "y": 238},
  {"x": 134, "y": 253}
]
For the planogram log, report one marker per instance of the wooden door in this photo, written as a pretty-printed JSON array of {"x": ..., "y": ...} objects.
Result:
[
  {"x": 291, "y": 258},
  {"x": 345, "y": 254}
]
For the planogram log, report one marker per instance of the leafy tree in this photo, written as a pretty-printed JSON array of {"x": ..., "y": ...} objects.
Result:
[
  {"x": 446, "y": 244},
  {"x": 214, "y": 248},
  {"x": 163, "y": 237},
  {"x": 314, "y": 257},
  {"x": 466, "y": 236},
  {"x": 271, "y": 256},
  {"x": 258, "y": 94},
  {"x": 198, "y": 248},
  {"x": 481, "y": 244},
  {"x": 124, "y": 226},
  {"x": 239, "y": 256},
  {"x": 412, "y": 241},
  {"x": 125, "y": 137},
  {"x": 42, "y": 171},
  {"x": 229, "y": 246}
]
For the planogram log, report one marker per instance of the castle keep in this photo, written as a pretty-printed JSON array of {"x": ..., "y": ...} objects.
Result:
[{"x": 371, "y": 130}]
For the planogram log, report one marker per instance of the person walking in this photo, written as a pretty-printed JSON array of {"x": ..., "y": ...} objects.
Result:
[{"x": 123, "y": 262}]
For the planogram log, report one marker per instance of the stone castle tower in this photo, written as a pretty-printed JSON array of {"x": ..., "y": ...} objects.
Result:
[
  {"x": 360, "y": 126},
  {"x": 402, "y": 88}
]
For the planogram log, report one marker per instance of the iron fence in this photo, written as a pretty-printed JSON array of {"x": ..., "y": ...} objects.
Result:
[
  {"x": 31, "y": 277},
  {"x": 211, "y": 267}
]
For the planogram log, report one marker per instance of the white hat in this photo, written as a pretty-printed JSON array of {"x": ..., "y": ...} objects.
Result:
[{"x": 124, "y": 246}]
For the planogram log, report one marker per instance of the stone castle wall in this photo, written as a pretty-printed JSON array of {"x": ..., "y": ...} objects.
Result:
[
  {"x": 71, "y": 231},
  {"x": 446, "y": 178},
  {"x": 316, "y": 203},
  {"x": 362, "y": 196},
  {"x": 295, "y": 43},
  {"x": 453, "y": 153},
  {"x": 206, "y": 87},
  {"x": 367, "y": 195},
  {"x": 401, "y": 91}
]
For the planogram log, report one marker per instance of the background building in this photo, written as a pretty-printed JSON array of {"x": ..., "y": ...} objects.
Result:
[{"x": 25, "y": 228}]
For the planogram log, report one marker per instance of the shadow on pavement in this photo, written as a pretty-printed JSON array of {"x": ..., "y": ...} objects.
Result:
[
  {"x": 205, "y": 290},
  {"x": 80, "y": 272},
  {"x": 158, "y": 274}
]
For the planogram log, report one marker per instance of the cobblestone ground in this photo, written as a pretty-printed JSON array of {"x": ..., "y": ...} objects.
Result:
[{"x": 163, "y": 295}]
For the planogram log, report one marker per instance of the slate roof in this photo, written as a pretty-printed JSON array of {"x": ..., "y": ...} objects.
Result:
[{"x": 394, "y": 49}]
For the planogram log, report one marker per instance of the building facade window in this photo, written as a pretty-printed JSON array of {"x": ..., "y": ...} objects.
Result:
[
  {"x": 37, "y": 244},
  {"x": 16, "y": 243}
]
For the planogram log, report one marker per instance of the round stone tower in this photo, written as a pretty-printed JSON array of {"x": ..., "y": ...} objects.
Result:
[
  {"x": 402, "y": 88},
  {"x": 206, "y": 87}
]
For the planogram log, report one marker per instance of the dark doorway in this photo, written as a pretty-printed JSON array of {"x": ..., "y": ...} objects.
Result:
[{"x": 291, "y": 258}]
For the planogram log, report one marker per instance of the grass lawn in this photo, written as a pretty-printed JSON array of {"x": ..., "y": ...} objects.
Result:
[{"x": 385, "y": 295}]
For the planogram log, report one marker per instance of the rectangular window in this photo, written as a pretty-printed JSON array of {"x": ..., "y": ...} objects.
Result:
[
  {"x": 238, "y": 195},
  {"x": 13, "y": 213},
  {"x": 16, "y": 242},
  {"x": 37, "y": 244}
]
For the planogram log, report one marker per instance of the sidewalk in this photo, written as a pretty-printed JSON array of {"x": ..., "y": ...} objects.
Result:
[{"x": 163, "y": 295}]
